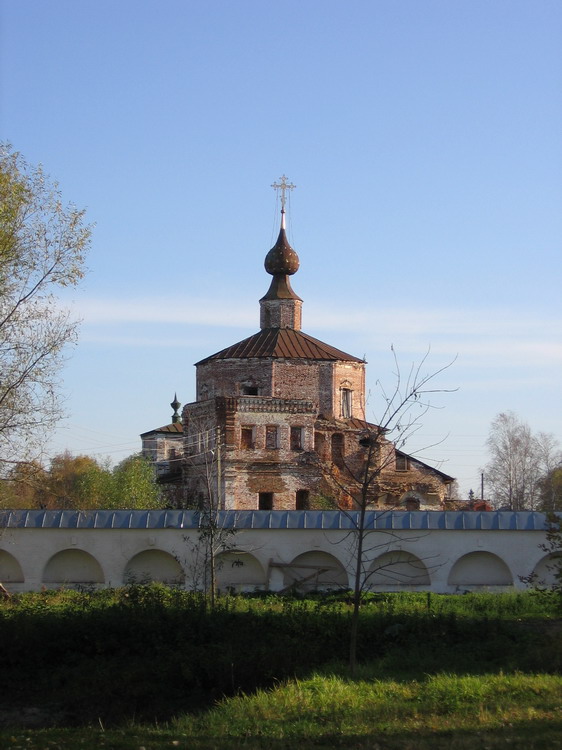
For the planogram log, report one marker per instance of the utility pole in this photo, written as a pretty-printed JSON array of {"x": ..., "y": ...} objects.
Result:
[{"x": 219, "y": 482}]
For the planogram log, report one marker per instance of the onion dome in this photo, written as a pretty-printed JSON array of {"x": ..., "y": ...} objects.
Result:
[
  {"x": 281, "y": 307},
  {"x": 281, "y": 262},
  {"x": 282, "y": 259}
]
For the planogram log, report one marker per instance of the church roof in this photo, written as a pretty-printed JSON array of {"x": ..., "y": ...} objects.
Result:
[
  {"x": 286, "y": 343},
  {"x": 445, "y": 477},
  {"x": 176, "y": 428}
]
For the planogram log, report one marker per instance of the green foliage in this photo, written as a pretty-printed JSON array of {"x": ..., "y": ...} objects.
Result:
[
  {"x": 82, "y": 482},
  {"x": 323, "y": 502},
  {"x": 551, "y": 491},
  {"x": 135, "y": 484},
  {"x": 153, "y": 652}
]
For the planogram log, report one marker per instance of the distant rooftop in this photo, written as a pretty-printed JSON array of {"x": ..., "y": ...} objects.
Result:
[{"x": 172, "y": 429}]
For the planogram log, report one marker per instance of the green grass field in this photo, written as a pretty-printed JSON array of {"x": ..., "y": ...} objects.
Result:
[{"x": 149, "y": 668}]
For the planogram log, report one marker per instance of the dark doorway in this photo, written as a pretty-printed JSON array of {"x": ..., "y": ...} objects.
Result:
[
  {"x": 265, "y": 501},
  {"x": 303, "y": 500}
]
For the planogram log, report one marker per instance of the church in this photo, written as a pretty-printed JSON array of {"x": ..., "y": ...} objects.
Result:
[
  {"x": 279, "y": 420},
  {"x": 277, "y": 441}
]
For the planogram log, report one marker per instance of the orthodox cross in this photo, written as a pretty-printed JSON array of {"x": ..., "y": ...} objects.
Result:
[{"x": 283, "y": 186}]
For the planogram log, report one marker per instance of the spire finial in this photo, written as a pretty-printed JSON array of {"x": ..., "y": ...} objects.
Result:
[
  {"x": 283, "y": 186},
  {"x": 175, "y": 406}
]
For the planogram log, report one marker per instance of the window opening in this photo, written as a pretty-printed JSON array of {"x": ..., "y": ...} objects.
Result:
[
  {"x": 302, "y": 500},
  {"x": 402, "y": 462},
  {"x": 249, "y": 390},
  {"x": 265, "y": 501},
  {"x": 346, "y": 403},
  {"x": 271, "y": 437},
  {"x": 296, "y": 438},
  {"x": 247, "y": 438}
]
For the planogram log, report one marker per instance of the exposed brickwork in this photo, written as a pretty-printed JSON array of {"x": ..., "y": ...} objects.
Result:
[
  {"x": 281, "y": 314},
  {"x": 289, "y": 426}
]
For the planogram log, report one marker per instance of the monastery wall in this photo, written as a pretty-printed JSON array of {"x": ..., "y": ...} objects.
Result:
[{"x": 443, "y": 552}]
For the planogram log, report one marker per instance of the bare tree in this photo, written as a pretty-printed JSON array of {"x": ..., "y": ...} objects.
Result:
[
  {"x": 518, "y": 462},
  {"x": 358, "y": 476},
  {"x": 42, "y": 249},
  {"x": 216, "y": 530}
]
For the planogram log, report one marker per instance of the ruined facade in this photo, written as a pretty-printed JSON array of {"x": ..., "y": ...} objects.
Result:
[{"x": 279, "y": 420}]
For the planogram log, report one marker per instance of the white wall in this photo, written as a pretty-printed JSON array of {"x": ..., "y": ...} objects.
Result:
[{"x": 71, "y": 553}]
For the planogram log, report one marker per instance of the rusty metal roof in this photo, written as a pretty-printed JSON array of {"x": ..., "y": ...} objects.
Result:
[{"x": 286, "y": 343}]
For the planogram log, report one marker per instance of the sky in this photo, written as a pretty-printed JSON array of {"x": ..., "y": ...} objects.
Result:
[{"x": 424, "y": 138}]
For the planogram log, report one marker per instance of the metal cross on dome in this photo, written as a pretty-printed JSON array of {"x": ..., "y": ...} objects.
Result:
[{"x": 283, "y": 186}]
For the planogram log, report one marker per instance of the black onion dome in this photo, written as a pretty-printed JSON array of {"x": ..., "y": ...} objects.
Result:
[{"x": 282, "y": 259}]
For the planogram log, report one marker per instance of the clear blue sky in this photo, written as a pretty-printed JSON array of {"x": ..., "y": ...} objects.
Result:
[{"x": 424, "y": 137}]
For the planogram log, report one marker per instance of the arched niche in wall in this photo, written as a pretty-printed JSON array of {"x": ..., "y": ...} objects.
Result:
[
  {"x": 72, "y": 566},
  {"x": 480, "y": 570},
  {"x": 10, "y": 569},
  {"x": 411, "y": 500},
  {"x": 313, "y": 571},
  {"x": 397, "y": 570},
  {"x": 154, "y": 565},
  {"x": 546, "y": 569},
  {"x": 240, "y": 571}
]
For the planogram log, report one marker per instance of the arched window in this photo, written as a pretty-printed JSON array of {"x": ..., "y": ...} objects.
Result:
[{"x": 412, "y": 503}]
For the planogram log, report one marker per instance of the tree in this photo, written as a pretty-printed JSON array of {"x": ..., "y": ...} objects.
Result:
[
  {"x": 42, "y": 249},
  {"x": 135, "y": 484},
  {"x": 359, "y": 476},
  {"x": 215, "y": 535},
  {"x": 553, "y": 547},
  {"x": 25, "y": 486},
  {"x": 550, "y": 488},
  {"x": 67, "y": 484},
  {"x": 519, "y": 461},
  {"x": 82, "y": 483}
]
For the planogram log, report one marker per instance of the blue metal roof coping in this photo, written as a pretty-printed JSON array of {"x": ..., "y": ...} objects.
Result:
[{"x": 275, "y": 519}]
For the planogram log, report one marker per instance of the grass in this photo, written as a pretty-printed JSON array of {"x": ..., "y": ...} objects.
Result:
[
  {"x": 143, "y": 668},
  {"x": 329, "y": 710}
]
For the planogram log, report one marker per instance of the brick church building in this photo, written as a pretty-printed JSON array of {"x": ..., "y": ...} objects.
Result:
[{"x": 279, "y": 420}]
